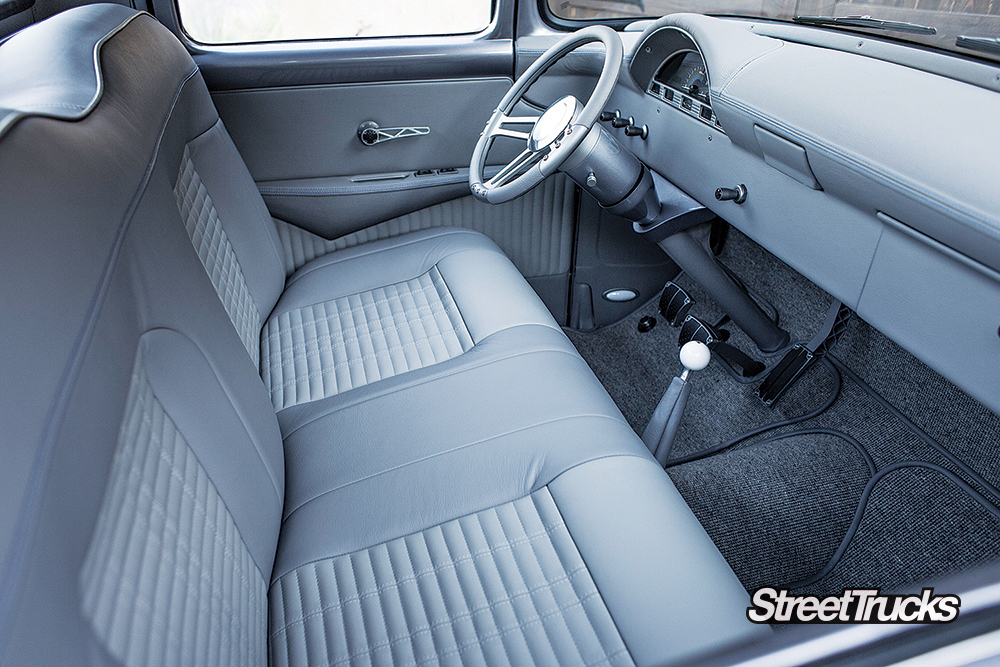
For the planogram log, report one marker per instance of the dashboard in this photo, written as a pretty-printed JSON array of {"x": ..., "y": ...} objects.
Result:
[{"x": 859, "y": 173}]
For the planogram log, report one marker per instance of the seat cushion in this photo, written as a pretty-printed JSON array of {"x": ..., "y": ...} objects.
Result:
[
  {"x": 329, "y": 347},
  {"x": 389, "y": 307},
  {"x": 506, "y": 585},
  {"x": 441, "y": 443}
]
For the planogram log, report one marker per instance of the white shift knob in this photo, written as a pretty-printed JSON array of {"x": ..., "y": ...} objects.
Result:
[{"x": 695, "y": 355}]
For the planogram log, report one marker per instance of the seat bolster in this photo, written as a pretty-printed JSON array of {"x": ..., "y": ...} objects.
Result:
[
  {"x": 246, "y": 221},
  {"x": 670, "y": 591},
  {"x": 241, "y": 457},
  {"x": 491, "y": 294}
]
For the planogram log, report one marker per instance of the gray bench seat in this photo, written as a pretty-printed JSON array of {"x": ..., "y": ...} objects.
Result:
[{"x": 395, "y": 457}]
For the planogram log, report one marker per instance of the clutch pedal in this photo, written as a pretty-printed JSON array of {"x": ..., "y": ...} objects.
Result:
[
  {"x": 694, "y": 329},
  {"x": 675, "y": 303}
]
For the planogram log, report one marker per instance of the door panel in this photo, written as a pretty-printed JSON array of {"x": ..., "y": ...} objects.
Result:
[
  {"x": 334, "y": 206},
  {"x": 312, "y": 132},
  {"x": 293, "y": 108},
  {"x": 301, "y": 145}
]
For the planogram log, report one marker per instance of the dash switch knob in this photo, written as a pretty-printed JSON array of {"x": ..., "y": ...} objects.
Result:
[
  {"x": 636, "y": 131},
  {"x": 737, "y": 194}
]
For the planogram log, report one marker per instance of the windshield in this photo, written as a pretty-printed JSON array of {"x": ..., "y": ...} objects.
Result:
[{"x": 952, "y": 20}]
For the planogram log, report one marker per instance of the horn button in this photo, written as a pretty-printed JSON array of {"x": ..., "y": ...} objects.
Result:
[{"x": 552, "y": 124}]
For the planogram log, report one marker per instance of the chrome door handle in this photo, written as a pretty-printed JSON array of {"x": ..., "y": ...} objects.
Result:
[{"x": 370, "y": 133}]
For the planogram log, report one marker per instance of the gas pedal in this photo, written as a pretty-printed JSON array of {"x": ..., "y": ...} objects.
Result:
[{"x": 802, "y": 356}]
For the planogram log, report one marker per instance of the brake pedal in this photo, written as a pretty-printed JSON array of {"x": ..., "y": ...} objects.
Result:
[
  {"x": 675, "y": 303},
  {"x": 699, "y": 330},
  {"x": 740, "y": 364},
  {"x": 800, "y": 357}
]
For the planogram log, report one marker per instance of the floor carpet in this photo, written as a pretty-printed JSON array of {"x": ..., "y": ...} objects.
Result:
[{"x": 894, "y": 483}]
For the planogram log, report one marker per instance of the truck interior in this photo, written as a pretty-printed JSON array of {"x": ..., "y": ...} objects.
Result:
[{"x": 498, "y": 333}]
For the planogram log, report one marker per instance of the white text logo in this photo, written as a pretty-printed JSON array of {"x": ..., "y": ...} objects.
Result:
[{"x": 854, "y": 605}]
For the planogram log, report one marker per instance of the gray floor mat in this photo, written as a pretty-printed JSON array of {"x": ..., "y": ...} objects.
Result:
[
  {"x": 953, "y": 418},
  {"x": 777, "y": 510}
]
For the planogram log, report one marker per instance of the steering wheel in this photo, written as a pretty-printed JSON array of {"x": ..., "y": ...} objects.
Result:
[{"x": 556, "y": 133}]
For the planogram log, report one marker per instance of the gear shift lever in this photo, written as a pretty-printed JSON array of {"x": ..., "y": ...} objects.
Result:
[
  {"x": 662, "y": 427},
  {"x": 695, "y": 356}
]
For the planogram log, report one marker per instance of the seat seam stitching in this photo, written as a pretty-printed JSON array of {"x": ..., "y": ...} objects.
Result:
[
  {"x": 439, "y": 232},
  {"x": 417, "y": 575},
  {"x": 429, "y": 308},
  {"x": 335, "y": 409},
  {"x": 450, "y": 451},
  {"x": 419, "y": 531},
  {"x": 430, "y": 626},
  {"x": 363, "y": 307},
  {"x": 531, "y": 598},
  {"x": 354, "y": 361}
]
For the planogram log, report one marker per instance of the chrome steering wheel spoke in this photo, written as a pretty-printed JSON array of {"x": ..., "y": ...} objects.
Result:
[
  {"x": 513, "y": 134},
  {"x": 518, "y": 120},
  {"x": 500, "y": 131},
  {"x": 515, "y": 167}
]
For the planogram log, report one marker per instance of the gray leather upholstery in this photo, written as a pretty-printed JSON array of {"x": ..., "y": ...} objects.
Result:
[
  {"x": 324, "y": 348},
  {"x": 506, "y": 585},
  {"x": 65, "y": 85},
  {"x": 162, "y": 537},
  {"x": 343, "y": 319},
  {"x": 201, "y": 219},
  {"x": 492, "y": 505},
  {"x": 662, "y": 581}
]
